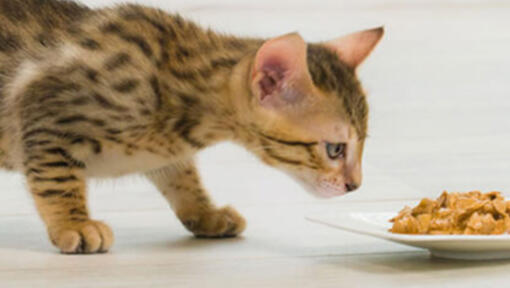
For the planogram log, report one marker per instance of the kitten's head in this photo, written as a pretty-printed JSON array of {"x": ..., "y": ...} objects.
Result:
[{"x": 310, "y": 110}]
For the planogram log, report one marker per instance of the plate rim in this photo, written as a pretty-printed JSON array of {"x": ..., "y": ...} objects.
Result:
[{"x": 380, "y": 233}]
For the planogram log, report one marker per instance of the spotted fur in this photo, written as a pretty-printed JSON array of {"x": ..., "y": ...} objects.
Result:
[{"x": 101, "y": 93}]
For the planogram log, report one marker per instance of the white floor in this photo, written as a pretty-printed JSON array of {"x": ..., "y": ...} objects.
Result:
[{"x": 440, "y": 95}]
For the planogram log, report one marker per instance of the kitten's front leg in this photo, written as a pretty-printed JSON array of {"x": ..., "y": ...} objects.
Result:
[
  {"x": 57, "y": 183},
  {"x": 180, "y": 184}
]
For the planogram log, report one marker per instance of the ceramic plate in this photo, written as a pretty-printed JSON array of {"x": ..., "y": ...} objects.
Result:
[{"x": 467, "y": 247}]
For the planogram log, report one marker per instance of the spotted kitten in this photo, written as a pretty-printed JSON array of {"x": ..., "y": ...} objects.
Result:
[{"x": 101, "y": 93}]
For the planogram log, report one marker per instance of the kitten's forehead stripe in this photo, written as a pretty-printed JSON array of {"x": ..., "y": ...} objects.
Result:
[{"x": 330, "y": 74}]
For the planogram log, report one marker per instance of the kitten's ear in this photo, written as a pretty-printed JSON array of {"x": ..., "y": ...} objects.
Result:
[
  {"x": 280, "y": 72},
  {"x": 354, "y": 48}
]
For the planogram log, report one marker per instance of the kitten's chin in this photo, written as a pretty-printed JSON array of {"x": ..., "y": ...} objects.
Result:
[
  {"x": 322, "y": 190},
  {"x": 328, "y": 191},
  {"x": 325, "y": 193}
]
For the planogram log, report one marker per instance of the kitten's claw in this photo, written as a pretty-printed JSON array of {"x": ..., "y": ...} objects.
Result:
[
  {"x": 219, "y": 223},
  {"x": 82, "y": 237}
]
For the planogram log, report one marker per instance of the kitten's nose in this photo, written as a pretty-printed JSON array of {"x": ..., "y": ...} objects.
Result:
[{"x": 351, "y": 187}]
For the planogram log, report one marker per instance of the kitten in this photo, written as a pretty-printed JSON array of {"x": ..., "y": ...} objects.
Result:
[{"x": 101, "y": 93}]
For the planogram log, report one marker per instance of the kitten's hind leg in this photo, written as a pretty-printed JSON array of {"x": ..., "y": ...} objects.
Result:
[
  {"x": 57, "y": 183},
  {"x": 180, "y": 184}
]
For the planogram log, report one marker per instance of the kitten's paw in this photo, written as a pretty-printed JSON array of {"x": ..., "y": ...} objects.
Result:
[
  {"x": 219, "y": 223},
  {"x": 82, "y": 237}
]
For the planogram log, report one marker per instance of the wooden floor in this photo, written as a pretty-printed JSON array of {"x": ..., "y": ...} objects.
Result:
[{"x": 439, "y": 89}]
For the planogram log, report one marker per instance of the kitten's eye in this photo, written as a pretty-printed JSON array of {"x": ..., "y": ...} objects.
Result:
[{"x": 335, "y": 151}]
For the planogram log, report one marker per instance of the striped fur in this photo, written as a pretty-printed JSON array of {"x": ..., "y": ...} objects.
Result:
[{"x": 102, "y": 93}]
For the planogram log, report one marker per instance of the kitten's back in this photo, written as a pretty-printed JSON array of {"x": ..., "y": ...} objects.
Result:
[{"x": 31, "y": 25}]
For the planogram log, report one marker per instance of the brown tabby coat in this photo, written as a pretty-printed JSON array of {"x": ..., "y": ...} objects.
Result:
[{"x": 101, "y": 93}]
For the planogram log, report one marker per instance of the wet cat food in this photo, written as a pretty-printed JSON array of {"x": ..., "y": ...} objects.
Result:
[{"x": 456, "y": 213}]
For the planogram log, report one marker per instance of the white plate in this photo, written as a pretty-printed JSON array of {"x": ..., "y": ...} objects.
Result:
[{"x": 467, "y": 247}]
